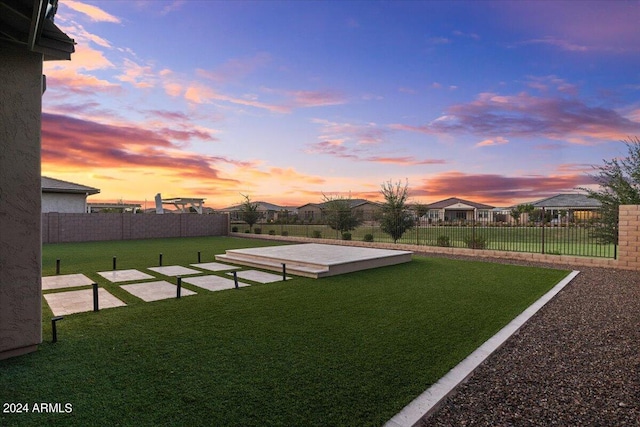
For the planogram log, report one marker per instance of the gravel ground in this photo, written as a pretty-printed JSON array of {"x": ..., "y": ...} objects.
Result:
[{"x": 575, "y": 363}]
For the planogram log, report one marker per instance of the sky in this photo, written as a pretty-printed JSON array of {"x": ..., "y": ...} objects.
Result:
[{"x": 287, "y": 102}]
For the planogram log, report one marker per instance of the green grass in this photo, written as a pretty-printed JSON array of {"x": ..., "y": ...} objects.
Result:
[{"x": 344, "y": 350}]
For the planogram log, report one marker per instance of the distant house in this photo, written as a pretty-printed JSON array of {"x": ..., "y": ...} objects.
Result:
[
  {"x": 455, "y": 209},
  {"x": 363, "y": 208},
  {"x": 268, "y": 211},
  {"x": 65, "y": 197},
  {"x": 573, "y": 206}
]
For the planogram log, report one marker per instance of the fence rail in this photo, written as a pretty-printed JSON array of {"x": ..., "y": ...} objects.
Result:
[{"x": 562, "y": 237}]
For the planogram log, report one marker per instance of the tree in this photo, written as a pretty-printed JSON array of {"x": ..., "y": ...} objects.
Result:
[
  {"x": 619, "y": 181},
  {"x": 396, "y": 219},
  {"x": 249, "y": 211},
  {"x": 338, "y": 214},
  {"x": 517, "y": 212}
]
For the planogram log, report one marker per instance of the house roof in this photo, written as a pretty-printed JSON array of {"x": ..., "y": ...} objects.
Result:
[
  {"x": 30, "y": 23},
  {"x": 262, "y": 206},
  {"x": 568, "y": 201},
  {"x": 353, "y": 203},
  {"x": 52, "y": 185},
  {"x": 443, "y": 204}
]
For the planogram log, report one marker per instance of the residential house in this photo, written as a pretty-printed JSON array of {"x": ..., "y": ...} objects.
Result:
[
  {"x": 455, "y": 209},
  {"x": 269, "y": 211},
  {"x": 569, "y": 207},
  {"x": 65, "y": 197},
  {"x": 365, "y": 209}
]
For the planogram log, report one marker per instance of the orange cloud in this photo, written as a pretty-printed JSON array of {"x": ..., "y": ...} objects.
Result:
[
  {"x": 93, "y": 12},
  {"x": 199, "y": 93}
]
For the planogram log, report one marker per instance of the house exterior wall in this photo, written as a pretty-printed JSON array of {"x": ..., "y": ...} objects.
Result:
[
  {"x": 20, "y": 249},
  {"x": 310, "y": 213},
  {"x": 64, "y": 202}
]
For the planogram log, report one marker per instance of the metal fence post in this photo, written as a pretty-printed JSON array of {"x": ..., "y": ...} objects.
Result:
[
  {"x": 544, "y": 218},
  {"x": 95, "y": 297}
]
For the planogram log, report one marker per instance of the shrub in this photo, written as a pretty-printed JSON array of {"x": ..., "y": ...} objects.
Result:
[
  {"x": 257, "y": 230},
  {"x": 285, "y": 233},
  {"x": 234, "y": 229},
  {"x": 346, "y": 236},
  {"x": 316, "y": 234},
  {"x": 444, "y": 241},
  {"x": 368, "y": 237},
  {"x": 247, "y": 231},
  {"x": 272, "y": 232},
  {"x": 478, "y": 242}
]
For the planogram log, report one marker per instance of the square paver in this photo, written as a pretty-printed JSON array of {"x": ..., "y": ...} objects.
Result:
[
  {"x": 65, "y": 281},
  {"x": 259, "y": 276},
  {"x": 215, "y": 266},
  {"x": 213, "y": 283},
  {"x": 174, "y": 270},
  {"x": 62, "y": 303},
  {"x": 124, "y": 275},
  {"x": 154, "y": 291}
]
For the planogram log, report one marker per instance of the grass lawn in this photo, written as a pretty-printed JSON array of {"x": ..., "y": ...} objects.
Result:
[{"x": 344, "y": 350}]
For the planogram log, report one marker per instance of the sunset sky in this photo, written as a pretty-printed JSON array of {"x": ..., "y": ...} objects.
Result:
[{"x": 496, "y": 102}]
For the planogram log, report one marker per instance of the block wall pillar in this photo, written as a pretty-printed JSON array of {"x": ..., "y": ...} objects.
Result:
[{"x": 629, "y": 237}]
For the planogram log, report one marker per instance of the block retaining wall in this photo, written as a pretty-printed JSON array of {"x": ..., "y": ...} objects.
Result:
[{"x": 81, "y": 227}]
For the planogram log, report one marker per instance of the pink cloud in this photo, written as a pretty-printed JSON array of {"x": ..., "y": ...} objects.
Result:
[
  {"x": 306, "y": 98},
  {"x": 498, "y": 190},
  {"x": 492, "y": 141},
  {"x": 70, "y": 142},
  {"x": 236, "y": 68},
  {"x": 524, "y": 115}
]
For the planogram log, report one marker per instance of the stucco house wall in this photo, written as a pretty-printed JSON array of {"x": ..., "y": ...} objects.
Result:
[
  {"x": 20, "y": 283},
  {"x": 64, "y": 203}
]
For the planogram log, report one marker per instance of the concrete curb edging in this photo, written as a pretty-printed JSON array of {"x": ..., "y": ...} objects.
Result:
[{"x": 430, "y": 399}]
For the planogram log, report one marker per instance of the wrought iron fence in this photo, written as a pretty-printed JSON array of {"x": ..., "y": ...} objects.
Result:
[{"x": 565, "y": 235}]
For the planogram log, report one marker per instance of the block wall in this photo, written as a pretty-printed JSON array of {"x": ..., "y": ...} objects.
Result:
[{"x": 75, "y": 227}]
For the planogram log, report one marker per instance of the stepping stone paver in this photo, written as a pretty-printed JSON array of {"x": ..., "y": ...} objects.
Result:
[
  {"x": 215, "y": 266},
  {"x": 154, "y": 291},
  {"x": 259, "y": 276},
  {"x": 71, "y": 302},
  {"x": 213, "y": 283},
  {"x": 65, "y": 281},
  {"x": 124, "y": 275},
  {"x": 174, "y": 270}
]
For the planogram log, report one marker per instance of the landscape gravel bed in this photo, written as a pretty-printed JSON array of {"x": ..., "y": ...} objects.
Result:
[{"x": 575, "y": 363}]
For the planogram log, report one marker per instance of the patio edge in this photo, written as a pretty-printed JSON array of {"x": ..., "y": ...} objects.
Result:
[{"x": 429, "y": 400}]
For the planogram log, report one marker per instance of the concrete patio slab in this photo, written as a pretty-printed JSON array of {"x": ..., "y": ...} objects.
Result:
[
  {"x": 71, "y": 302},
  {"x": 259, "y": 276},
  {"x": 174, "y": 270},
  {"x": 215, "y": 266},
  {"x": 314, "y": 259},
  {"x": 65, "y": 281},
  {"x": 154, "y": 291},
  {"x": 213, "y": 283},
  {"x": 124, "y": 275}
]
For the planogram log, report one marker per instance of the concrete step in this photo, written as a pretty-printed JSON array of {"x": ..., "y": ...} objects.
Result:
[{"x": 297, "y": 269}]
